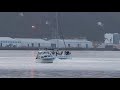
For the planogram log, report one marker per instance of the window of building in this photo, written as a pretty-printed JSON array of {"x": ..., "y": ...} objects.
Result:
[
  {"x": 38, "y": 44},
  {"x": 78, "y": 45},
  {"x": 68, "y": 45},
  {"x": 1, "y": 44},
  {"x": 53, "y": 45},
  {"x": 86, "y": 45},
  {"x": 32, "y": 44}
]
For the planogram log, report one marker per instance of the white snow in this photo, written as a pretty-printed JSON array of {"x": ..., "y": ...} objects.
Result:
[
  {"x": 73, "y": 64},
  {"x": 16, "y": 63},
  {"x": 26, "y": 60}
]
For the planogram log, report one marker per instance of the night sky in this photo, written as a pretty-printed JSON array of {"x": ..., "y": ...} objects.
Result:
[{"x": 71, "y": 24}]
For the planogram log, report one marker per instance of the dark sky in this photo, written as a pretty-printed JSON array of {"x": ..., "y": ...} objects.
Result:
[{"x": 72, "y": 24}]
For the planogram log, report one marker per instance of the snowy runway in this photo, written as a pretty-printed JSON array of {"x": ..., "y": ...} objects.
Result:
[
  {"x": 73, "y": 64},
  {"x": 22, "y": 64}
]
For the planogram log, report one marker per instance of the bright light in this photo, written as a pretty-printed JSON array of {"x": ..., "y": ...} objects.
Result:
[
  {"x": 33, "y": 26},
  {"x": 21, "y": 14},
  {"x": 47, "y": 22},
  {"x": 100, "y": 23}
]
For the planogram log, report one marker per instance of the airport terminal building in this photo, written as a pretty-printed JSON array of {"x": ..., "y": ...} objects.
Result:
[{"x": 9, "y": 42}]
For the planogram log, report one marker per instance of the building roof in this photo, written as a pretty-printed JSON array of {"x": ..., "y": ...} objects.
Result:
[
  {"x": 70, "y": 40},
  {"x": 32, "y": 40},
  {"x": 7, "y": 38}
]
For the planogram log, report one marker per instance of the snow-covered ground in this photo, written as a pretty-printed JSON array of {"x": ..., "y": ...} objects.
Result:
[
  {"x": 14, "y": 62},
  {"x": 73, "y": 64}
]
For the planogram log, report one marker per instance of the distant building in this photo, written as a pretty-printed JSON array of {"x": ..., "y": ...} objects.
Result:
[
  {"x": 9, "y": 42},
  {"x": 71, "y": 43},
  {"x": 108, "y": 38},
  {"x": 23, "y": 42},
  {"x": 43, "y": 43},
  {"x": 116, "y": 38},
  {"x": 34, "y": 43},
  {"x": 112, "y": 38}
]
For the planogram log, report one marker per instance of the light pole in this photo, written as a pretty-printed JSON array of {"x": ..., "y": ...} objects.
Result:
[{"x": 101, "y": 25}]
